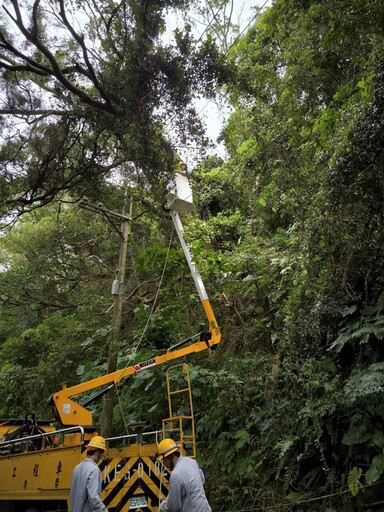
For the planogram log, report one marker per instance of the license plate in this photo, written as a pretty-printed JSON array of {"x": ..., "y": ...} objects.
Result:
[{"x": 138, "y": 502}]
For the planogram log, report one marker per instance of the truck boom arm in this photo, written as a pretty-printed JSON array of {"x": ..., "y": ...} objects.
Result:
[{"x": 69, "y": 413}]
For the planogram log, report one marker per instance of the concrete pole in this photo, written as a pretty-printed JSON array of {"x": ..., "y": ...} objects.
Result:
[{"x": 114, "y": 345}]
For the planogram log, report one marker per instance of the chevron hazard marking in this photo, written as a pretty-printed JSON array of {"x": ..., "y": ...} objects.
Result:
[{"x": 134, "y": 476}]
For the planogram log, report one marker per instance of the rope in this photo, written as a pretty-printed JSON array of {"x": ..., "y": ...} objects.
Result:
[
  {"x": 122, "y": 410},
  {"x": 153, "y": 305},
  {"x": 157, "y": 294},
  {"x": 145, "y": 327}
]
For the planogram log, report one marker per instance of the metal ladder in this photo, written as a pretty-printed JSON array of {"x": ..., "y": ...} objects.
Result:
[{"x": 180, "y": 425}]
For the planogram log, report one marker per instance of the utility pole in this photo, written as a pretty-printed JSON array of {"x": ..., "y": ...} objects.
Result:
[
  {"x": 113, "y": 352},
  {"x": 118, "y": 293}
]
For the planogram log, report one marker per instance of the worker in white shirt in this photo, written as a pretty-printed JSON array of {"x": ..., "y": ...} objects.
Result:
[
  {"x": 86, "y": 480},
  {"x": 186, "y": 483}
]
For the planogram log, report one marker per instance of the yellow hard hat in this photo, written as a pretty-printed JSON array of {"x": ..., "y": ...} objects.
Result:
[
  {"x": 183, "y": 166},
  {"x": 98, "y": 443},
  {"x": 166, "y": 447}
]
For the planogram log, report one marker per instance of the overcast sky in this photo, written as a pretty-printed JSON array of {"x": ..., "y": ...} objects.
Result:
[{"x": 216, "y": 113}]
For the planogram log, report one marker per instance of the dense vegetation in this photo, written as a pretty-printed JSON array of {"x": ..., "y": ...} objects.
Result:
[{"x": 288, "y": 235}]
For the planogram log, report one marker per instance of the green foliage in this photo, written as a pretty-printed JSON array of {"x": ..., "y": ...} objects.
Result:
[
  {"x": 376, "y": 469},
  {"x": 354, "y": 480},
  {"x": 360, "y": 330},
  {"x": 288, "y": 236},
  {"x": 308, "y": 269},
  {"x": 37, "y": 362},
  {"x": 365, "y": 383},
  {"x": 94, "y": 97}
]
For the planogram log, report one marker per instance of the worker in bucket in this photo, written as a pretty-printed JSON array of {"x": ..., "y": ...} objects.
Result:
[
  {"x": 86, "y": 480},
  {"x": 186, "y": 491}
]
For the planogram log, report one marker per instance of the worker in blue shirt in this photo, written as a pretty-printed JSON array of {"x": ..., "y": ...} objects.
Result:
[
  {"x": 186, "y": 483},
  {"x": 86, "y": 480}
]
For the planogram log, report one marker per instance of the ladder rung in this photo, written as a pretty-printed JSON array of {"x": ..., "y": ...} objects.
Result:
[
  {"x": 177, "y": 418},
  {"x": 176, "y": 424},
  {"x": 178, "y": 391}
]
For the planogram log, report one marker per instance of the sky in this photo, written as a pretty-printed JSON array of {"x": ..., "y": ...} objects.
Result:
[{"x": 215, "y": 113}]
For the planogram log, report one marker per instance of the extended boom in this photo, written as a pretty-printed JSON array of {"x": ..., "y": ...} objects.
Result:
[{"x": 67, "y": 411}]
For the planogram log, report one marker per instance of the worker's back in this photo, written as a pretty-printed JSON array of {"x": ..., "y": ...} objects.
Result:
[
  {"x": 81, "y": 499},
  {"x": 187, "y": 488}
]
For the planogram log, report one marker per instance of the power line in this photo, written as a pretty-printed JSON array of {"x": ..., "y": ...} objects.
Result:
[
  {"x": 192, "y": 49},
  {"x": 197, "y": 42},
  {"x": 247, "y": 26},
  {"x": 225, "y": 53},
  {"x": 235, "y": 41}
]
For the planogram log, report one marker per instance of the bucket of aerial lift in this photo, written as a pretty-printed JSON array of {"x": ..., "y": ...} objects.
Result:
[{"x": 179, "y": 197}]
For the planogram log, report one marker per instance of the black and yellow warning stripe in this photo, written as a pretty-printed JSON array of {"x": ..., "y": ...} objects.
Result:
[{"x": 134, "y": 476}]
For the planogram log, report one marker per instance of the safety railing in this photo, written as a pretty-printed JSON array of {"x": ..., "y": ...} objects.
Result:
[
  {"x": 136, "y": 438},
  {"x": 38, "y": 441}
]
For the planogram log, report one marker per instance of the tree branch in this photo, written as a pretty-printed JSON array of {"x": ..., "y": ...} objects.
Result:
[
  {"x": 33, "y": 38},
  {"x": 80, "y": 40},
  {"x": 21, "y": 67},
  {"x": 38, "y": 112},
  {"x": 36, "y": 66}
]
